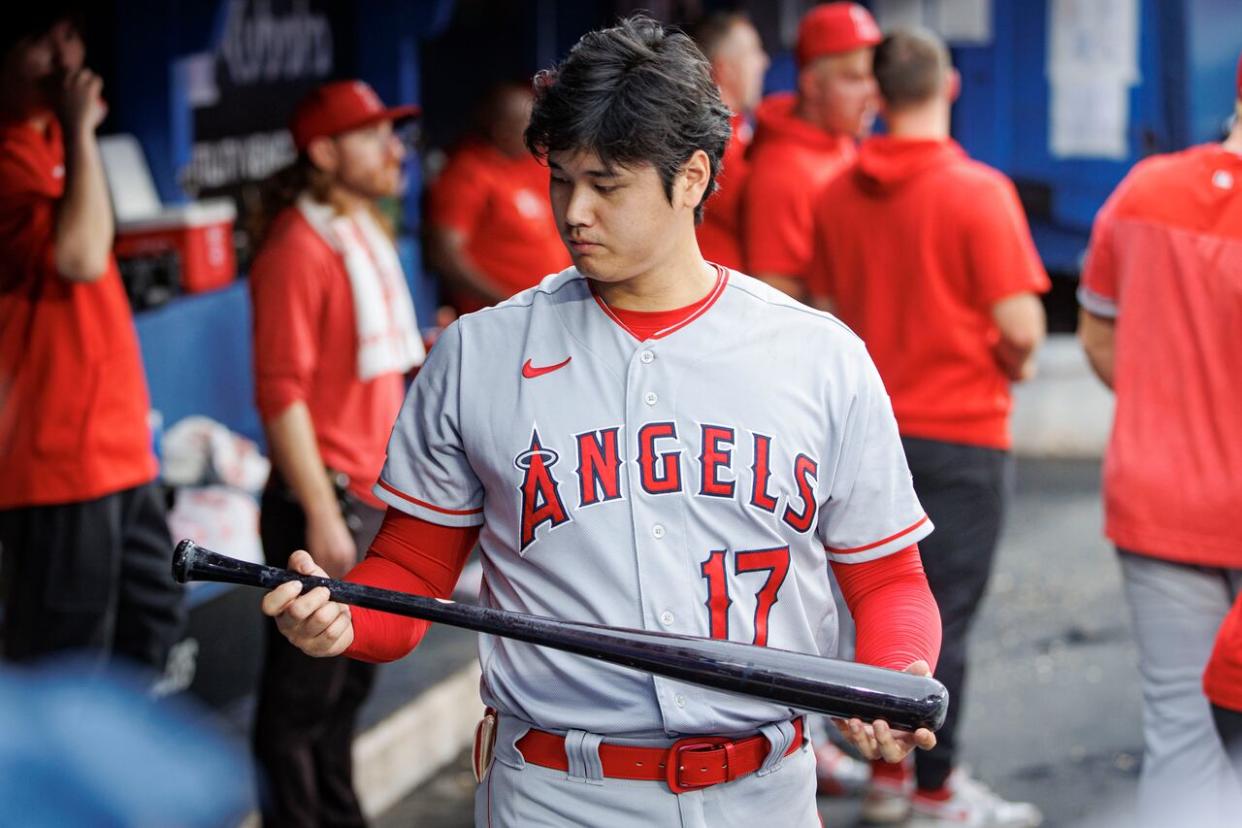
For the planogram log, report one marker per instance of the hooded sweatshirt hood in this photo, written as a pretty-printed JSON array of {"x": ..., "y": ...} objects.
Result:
[
  {"x": 886, "y": 163},
  {"x": 775, "y": 121}
]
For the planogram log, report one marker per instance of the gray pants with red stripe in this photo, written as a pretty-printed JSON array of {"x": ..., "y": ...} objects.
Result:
[{"x": 515, "y": 792}]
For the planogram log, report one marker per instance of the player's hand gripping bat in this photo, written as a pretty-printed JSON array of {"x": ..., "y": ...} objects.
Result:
[{"x": 802, "y": 681}]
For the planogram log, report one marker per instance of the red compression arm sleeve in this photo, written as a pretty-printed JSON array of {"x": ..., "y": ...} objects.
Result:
[
  {"x": 897, "y": 620},
  {"x": 408, "y": 555}
]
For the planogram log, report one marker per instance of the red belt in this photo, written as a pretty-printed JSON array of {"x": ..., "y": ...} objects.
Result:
[{"x": 686, "y": 765}]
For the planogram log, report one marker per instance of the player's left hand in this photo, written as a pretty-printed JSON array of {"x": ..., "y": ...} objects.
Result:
[{"x": 879, "y": 741}]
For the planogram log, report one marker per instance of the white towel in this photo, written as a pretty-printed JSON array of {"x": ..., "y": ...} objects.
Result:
[{"x": 388, "y": 336}]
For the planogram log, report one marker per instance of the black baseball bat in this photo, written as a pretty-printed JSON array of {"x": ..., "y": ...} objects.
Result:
[{"x": 802, "y": 681}]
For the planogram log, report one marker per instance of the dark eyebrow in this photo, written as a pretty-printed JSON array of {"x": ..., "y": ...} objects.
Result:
[{"x": 606, "y": 172}]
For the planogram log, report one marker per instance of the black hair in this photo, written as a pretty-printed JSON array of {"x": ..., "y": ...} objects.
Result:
[
  {"x": 633, "y": 94},
  {"x": 31, "y": 20}
]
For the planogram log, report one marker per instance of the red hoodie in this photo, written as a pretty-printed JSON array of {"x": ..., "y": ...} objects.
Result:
[
  {"x": 720, "y": 233},
  {"x": 914, "y": 245},
  {"x": 791, "y": 161}
]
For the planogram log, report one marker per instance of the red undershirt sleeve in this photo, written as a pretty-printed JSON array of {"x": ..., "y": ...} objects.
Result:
[
  {"x": 408, "y": 555},
  {"x": 897, "y": 620}
]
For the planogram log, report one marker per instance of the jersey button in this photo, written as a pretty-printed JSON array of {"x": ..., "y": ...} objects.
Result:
[
  {"x": 646, "y": 357},
  {"x": 680, "y": 700},
  {"x": 657, "y": 531},
  {"x": 651, "y": 398},
  {"x": 666, "y": 618}
]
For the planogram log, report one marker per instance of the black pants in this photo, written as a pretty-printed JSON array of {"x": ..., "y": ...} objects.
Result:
[
  {"x": 94, "y": 575},
  {"x": 307, "y": 707},
  {"x": 964, "y": 489}
]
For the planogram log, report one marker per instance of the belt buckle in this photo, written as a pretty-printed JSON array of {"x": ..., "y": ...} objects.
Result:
[{"x": 673, "y": 763}]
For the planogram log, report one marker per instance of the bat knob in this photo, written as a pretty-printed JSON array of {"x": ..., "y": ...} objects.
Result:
[{"x": 183, "y": 560}]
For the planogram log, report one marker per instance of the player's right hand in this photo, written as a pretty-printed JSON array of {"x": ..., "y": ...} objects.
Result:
[
  {"x": 82, "y": 107},
  {"x": 312, "y": 622}
]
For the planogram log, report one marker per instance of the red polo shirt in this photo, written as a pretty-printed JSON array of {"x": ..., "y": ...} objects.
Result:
[
  {"x": 791, "y": 162},
  {"x": 306, "y": 349},
  {"x": 73, "y": 399},
  {"x": 914, "y": 245},
  {"x": 1166, "y": 261},
  {"x": 500, "y": 204},
  {"x": 720, "y": 232}
]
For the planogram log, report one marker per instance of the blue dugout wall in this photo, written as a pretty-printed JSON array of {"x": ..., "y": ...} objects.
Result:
[
  {"x": 1187, "y": 55},
  {"x": 197, "y": 348}
]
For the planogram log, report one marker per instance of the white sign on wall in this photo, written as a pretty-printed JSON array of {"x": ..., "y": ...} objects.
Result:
[
  {"x": 959, "y": 22},
  {"x": 1092, "y": 63}
]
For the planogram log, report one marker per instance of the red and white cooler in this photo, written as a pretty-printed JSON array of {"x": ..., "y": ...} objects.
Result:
[{"x": 198, "y": 234}]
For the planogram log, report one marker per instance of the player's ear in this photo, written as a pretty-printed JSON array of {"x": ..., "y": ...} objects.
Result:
[
  {"x": 692, "y": 181},
  {"x": 953, "y": 85},
  {"x": 324, "y": 154}
]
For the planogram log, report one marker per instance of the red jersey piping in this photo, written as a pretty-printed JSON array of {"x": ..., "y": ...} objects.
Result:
[
  {"x": 880, "y": 542},
  {"x": 386, "y": 487}
]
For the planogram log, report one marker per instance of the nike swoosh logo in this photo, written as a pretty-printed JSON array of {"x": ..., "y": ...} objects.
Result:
[{"x": 530, "y": 371}]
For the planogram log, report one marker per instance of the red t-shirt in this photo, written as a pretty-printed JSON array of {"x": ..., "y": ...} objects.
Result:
[
  {"x": 500, "y": 204},
  {"x": 1222, "y": 681},
  {"x": 1166, "y": 260},
  {"x": 306, "y": 348},
  {"x": 915, "y": 244},
  {"x": 791, "y": 161},
  {"x": 720, "y": 232},
  {"x": 73, "y": 398}
]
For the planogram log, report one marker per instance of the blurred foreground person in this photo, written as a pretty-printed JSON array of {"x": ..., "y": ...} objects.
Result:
[
  {"x": 334, "y": 336},
  {"x": 491, "y": 232},
  {"x": 804, "y": 139},
  {"x": 1161, "y": 315},
  {"x": 82, "y": 523},
  {"x": 78, "y": 748},
  {"x": 730, "y": 43},
  {"x": 927, "y": 256}
]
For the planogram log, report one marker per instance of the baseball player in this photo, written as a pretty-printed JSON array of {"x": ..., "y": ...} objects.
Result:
[
  {"x": 927, "y": 255},
  {"x": 803, "y": 139},
  {"x": 730, "y": 42},
  {"x": 1163, "y": 267},
  {"x": 643, "y": 441},
  {"x": 334, "y": 335}
]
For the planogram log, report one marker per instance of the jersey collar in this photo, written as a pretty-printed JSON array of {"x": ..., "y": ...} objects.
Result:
[{"x": 678, "y": 318}]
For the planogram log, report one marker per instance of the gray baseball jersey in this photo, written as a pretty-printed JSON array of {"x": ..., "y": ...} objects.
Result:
[{"x": 690, "y": 483}]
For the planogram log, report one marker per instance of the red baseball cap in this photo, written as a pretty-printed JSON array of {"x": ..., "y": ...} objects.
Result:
[
  {"x": 339, "y": 107},
  {"x": 834, "y": 28}
]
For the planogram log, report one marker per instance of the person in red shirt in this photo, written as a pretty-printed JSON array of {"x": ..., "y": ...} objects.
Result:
[
  {"x": 804, "y": 139},
  {"x": 82, "y": 524},
  {"x": 491, "y": 232},
  {"x": 730, "y": 42},
  {"x": 1161, "y": 311},
  {"x": 334, "y": 336},
  {"x": 927, "y": 256}
]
